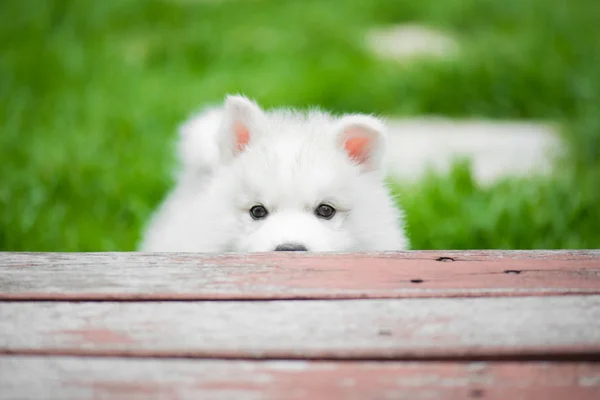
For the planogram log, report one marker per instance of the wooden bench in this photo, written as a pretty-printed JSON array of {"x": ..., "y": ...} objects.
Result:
[{"x": 411, "y": 325}]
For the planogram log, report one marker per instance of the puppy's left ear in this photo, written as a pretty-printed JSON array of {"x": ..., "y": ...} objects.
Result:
[
  {"x": 362, "y": 137},
  {"x": 242, "y": 121}
]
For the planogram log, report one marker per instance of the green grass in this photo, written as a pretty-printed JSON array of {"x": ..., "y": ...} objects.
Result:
[{"x": 91, "y": 94}]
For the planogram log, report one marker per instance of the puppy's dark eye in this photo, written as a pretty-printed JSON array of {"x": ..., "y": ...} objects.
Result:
[
  {"x": 258, "y": 212},
  {"x": 325, "y": 211}
]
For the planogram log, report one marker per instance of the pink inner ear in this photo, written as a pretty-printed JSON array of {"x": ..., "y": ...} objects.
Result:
[
  {"x": 242, "y": 135},
  {"x": 358, "y": 148}
]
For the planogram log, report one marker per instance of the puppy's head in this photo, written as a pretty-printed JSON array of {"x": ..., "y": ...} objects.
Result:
[{"x": 301, "y": 182}]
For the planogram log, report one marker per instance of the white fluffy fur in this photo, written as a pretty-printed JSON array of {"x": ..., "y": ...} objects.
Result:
[{"x": 294, "y": 161}]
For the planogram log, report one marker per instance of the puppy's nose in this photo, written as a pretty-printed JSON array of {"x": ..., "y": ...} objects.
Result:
[{"x": 291, "y": 247}]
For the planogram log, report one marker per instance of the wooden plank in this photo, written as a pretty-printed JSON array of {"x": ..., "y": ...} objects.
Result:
[
  {"x": 138, "y": 276},
  {"x": 545, "y": 328},
  {"x": 90, "y": 378}
]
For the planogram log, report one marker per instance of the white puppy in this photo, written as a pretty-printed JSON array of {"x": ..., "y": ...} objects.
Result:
[{"x": 281, "y": 180}]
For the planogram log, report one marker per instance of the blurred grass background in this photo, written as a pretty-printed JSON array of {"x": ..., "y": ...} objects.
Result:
[{"x": 91, "y": 93}]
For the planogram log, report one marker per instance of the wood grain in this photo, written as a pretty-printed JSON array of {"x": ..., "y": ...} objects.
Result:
[
  {"x": 542, "y": 328},
  {"x": 420, "y": 274},
  {"x": 89, "y": 378}
]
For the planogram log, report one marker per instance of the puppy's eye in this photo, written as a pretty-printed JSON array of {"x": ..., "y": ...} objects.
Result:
[
  {"x": 258, "y": 212},
  {"x": 325, "y": 211}
]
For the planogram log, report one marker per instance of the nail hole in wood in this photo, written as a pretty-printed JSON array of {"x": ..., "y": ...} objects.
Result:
[
  {"x": 476, "y": 393},
  {"x": 512, "y": 271},
  {"x": 385, "y": 332},
  {"x": 416, "y": 281},
  {"x": 444, "y": 259}
]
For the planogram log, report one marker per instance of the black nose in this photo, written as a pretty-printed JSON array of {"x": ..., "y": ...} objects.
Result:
[{"x": 291, "y": 247}]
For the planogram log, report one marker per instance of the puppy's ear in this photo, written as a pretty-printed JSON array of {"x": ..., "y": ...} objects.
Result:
[
  {"x": 241, "y": 120},
  {"x": 362, "y": 137}
]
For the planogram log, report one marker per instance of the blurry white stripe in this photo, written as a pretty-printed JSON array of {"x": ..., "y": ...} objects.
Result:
[{"x": 496, "y": 149}]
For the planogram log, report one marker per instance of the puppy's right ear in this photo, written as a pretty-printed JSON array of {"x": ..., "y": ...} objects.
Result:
[
  {"x": 362, "y": 137},
  {"x": 242, "y": 120}
]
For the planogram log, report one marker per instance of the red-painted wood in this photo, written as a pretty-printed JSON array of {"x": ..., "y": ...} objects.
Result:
[
  {"x": 542, "y": 328},
  {"x": 93, "y": 378},
  {"x": 137, "y": 276},
  {"x": 496, "y": 307}
]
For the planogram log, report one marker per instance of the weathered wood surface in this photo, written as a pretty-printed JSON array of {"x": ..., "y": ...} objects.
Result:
[
  {"x": 90, "y": 378},
  {"x": 543, "y": 328},
  {"x": 387, "y": 339},
  {"x": 138, "y": 276}
]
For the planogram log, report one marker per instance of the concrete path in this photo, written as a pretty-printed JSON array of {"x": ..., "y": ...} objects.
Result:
[
  {"x": 410, "y": 41},
  {"x": 496, "y": 149}
]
